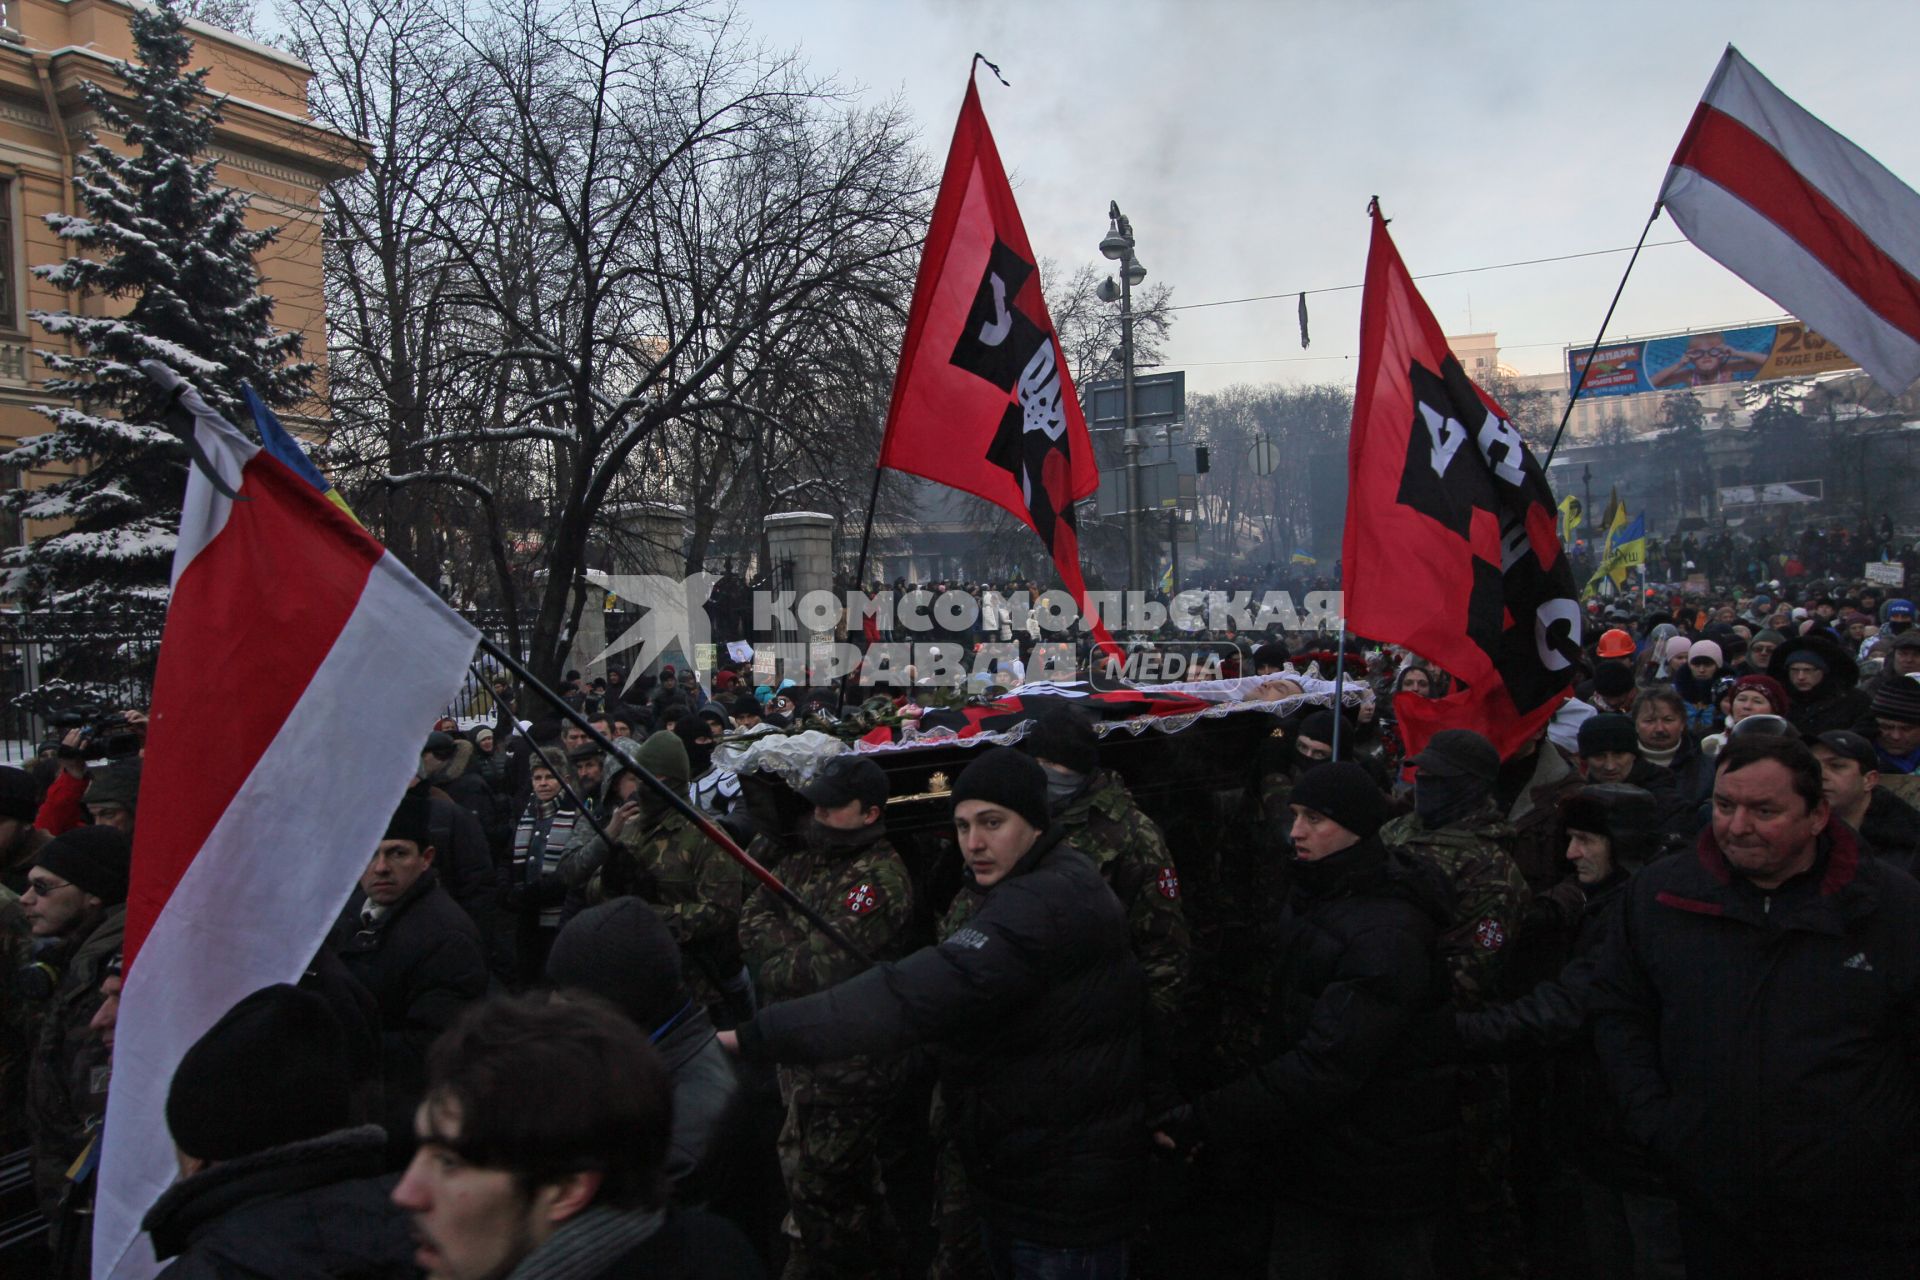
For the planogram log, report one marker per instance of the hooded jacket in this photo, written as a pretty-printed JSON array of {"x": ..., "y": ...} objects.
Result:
[
  {"x": 1834, "y": 703},
  {"x": 1035, "y": 1008},
  {"x": 1362, "y": 1127},
  {"x": 1761, "y": 1044}
]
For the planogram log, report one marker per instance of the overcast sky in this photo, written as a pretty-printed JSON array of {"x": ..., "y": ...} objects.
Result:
[{"x": 1245, "y": 138}]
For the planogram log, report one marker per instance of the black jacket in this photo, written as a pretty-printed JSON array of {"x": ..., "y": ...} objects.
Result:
[
  {"x": 1764, "y": 1045},
  {"x": 1359, "y": 1125},
  {"x": 314, "y": 1210},
  {"x": 461, "y": 855},
  {"x": 1890, "y": 830},
  {"x": 1586, "y": 1123},
  {"x": 1834, "y": 703},
  {"x": 1035, "y": 1006},
  {"x": 422, "y": 964}
]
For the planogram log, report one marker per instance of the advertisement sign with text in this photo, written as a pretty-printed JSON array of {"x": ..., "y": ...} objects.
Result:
[{"x": 1707, "y": 358}]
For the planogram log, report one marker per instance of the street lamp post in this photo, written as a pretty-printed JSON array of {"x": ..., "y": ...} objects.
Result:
[{"x": 1118, "y": 247}]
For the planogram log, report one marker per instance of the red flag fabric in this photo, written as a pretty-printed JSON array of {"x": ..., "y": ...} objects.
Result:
[
  {"x": 983, "y": 400},
  {"x": 1451, "y": 544},
  {"x": 1803, "y": 215}
]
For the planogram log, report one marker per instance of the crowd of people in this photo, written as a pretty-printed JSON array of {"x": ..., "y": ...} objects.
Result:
[{"x": 1639, "y": 999}]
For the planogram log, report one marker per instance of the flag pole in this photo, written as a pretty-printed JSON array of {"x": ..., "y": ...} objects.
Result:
[
  {"x": 706, "y": 826},
  {"x": 1339, "y": 681},
  {"x": 1581, "y": 382}
]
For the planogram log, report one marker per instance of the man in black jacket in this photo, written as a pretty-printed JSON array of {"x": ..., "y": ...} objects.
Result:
[
  {"x": 1363, "y": 1133},
  {"x": 413, "y": 948},
  {"x": 542, "y": 1137},
  {"x": 1630, "y": 1219},
  {"x": 1035, "y": 1006},
  {"x": 1756, "y": 1010},
  {"x": 1888, "y": 827},
  {"x": 274, "y": 1179}
]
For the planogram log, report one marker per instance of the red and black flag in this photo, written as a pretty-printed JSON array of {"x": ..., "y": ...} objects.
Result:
[
  {"x": 983, "y": 401},
  {"x": 1452, "y": 547}
]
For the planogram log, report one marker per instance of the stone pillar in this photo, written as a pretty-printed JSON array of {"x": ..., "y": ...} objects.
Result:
[
  {"x": 651, "y": 538},
  {"x": 800, "y": 545},
  {"x": 590, "y": 641}
]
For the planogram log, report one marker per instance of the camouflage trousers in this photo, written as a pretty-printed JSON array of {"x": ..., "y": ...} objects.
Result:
[
  {"x": 838, "y": 1222},
  {"x": 1484, "y": 1239},
  {"x": 957, "y": 1254}
]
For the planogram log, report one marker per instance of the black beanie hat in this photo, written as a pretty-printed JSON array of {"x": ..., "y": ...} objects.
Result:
[
  {"x": 622, "y": 952},
  {"x": 1318, "y": 725},
  {"x": 98, "y": 859},
  {"x": 20, "y": 794},
  {"x": 1607, "y": 732},
  {"x": 274, "y": 1070},
  {"x": 1612, "y": 679},
  {"x": 413, "y": 819},
  {"x": 1064, "y": 736},
  {"x": 1008, "y": 778},
  {"x": 1343, "y": 791}
]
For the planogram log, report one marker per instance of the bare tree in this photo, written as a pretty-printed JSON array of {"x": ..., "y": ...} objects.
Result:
[
  {"x": 603, "y": 251},
  {"x": 1244, "y": 510}
]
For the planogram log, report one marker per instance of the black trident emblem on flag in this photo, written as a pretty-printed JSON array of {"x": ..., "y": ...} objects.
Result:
[{"x": 1003, "y": 346}]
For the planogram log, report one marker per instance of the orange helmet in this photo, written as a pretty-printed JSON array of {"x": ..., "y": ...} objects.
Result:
[{"x": 1616, "y": 644}]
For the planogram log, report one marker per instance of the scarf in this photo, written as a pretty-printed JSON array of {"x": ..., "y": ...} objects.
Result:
[{"x": 586, "y": 1244}]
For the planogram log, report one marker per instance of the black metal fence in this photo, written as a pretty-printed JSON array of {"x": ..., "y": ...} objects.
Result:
[{"x": 56, "y": 667}]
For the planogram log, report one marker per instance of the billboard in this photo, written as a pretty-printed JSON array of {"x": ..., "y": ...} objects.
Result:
[{"x": 1706, "y": 358}]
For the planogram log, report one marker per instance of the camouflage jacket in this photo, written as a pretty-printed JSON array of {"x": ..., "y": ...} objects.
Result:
[
  {"x": 1489, "y": 894},
  {"x": 67, "y": 1080},
  {"x": 698, "y": 889},
  {"x": 1104, "y": 823},
  {"x": 862, "y": 887}
]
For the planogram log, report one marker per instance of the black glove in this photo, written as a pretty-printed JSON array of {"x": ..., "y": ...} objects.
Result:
[{"x": 1184, "y": 1127}]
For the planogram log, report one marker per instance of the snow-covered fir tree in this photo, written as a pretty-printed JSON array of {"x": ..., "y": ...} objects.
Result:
[{"x": 168, "y": 247}]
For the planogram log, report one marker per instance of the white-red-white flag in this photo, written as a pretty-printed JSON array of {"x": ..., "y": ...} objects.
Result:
[
  {"x": 1804, "y": 216},
  {"x": 300, "y": 670}
]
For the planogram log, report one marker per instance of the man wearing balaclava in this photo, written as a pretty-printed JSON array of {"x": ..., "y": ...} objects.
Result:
[
  {"x": 1456, "y": 826},
  {"x": 1095, "y": 809},
  {"x": 697, "y": 887}
]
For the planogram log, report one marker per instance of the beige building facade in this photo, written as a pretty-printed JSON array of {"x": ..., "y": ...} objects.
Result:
[{"x": 267, "y": 147}]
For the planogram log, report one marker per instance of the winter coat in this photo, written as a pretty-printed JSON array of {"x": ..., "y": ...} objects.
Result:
[
  {"x": 1834, "y": 703},
  {"x": 1536, "y": 844},
  {"x": 706, "y": 1094},
  {"x": 461, "y": 854},
  {"x": 534, "y": 888},
  {"x": 68, "y": 1075},
  {"x": 1762, "y": 1044},
  {"x": 422, "y": 963},
  {"x": 1035, "y": 1009},
  {"x": 313, "y": 1210},
  {"x": 1890, "y": 830},
  {"x": 1358, "y": 1125},
  {"x": 1586, "y": 1123}
]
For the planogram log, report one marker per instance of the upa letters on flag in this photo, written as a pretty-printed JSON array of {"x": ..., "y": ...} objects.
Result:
[
  {"x": 300, "y": 670},
  {"x": 1804, "y": 216},
  {"x": 1452, "y": 545},
  {"x": 983, "y": 401}
]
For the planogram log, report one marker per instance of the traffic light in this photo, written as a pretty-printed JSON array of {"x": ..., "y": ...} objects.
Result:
[{"x": 1200, "y": 462}]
